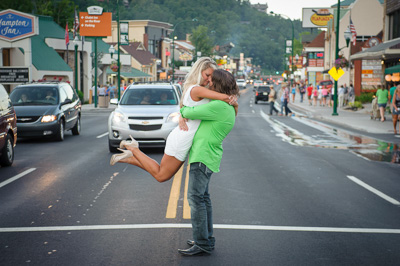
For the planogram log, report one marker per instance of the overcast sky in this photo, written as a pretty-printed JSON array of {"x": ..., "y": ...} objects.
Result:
[{"x": 293, "y": 8}]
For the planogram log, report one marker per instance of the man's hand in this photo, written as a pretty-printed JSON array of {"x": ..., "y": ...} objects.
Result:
[{"x": 182, "y": 124}]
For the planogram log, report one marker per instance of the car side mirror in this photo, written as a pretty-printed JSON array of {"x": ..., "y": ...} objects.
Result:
[{"x": 67, "y": 101}]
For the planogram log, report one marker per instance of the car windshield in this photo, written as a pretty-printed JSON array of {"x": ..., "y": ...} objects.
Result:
[
  {"x": 263, "y": 89},
  {"x": 34, "y": 96},
  {"x": 148, "y": 96}
]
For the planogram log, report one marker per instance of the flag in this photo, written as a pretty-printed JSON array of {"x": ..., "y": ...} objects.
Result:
[
  {"x": 66, "y": 35},
  {"x": 353, "y": 32},
  {"x": 76, "y": 24}
]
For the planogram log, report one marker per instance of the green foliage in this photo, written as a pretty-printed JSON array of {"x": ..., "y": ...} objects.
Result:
[
  {"x": 80, "y": 95},
  {"x": 356, "y": 105},
  {"x": 202, "y": 41},
  {"x": 365, "y": 97}
]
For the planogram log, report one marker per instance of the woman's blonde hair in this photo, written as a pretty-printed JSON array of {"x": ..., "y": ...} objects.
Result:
[{"x": 194, "y": 76}]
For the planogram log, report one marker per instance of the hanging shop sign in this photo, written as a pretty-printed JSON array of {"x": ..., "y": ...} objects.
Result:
[
  {"x": 316, "y": 17},
  {"x": 16, "y": 25}
]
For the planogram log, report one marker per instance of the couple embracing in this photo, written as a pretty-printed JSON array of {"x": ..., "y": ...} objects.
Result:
[{"x": 207, "y": 117}]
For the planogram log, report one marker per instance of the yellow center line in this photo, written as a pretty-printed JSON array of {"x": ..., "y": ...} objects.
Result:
[
  {"x": 186, "y": 207},
  {"x": 174, "y": 195}
]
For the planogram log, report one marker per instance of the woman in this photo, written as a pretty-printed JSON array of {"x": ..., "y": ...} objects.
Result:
[
  {"x": 396, "y": 107},
  {"x": 179, "y": 141},
  {"x": 324, "y": 91},
  {"x": 383, "y": 96}
]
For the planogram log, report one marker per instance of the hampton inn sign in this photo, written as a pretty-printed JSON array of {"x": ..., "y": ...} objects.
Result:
[{"x": 15, "y": 25}]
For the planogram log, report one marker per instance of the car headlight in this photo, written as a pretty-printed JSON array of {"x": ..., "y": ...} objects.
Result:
[
  {"x": 119, "y": 118},
  {"x": 48, "y": 118},
  {"x": 174, "y": 117}
]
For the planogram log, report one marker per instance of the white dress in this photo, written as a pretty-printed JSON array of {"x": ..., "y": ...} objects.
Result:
[{"x": 179, "y": 142}]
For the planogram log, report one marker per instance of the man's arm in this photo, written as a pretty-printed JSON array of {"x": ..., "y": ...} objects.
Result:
[{"x": 208, "y": 111}]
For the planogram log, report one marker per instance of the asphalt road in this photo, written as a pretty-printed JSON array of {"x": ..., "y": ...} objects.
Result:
[{"x": 291, "y": 191}]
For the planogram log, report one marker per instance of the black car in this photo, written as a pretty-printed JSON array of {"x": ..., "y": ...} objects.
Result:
[
  {"x": 8, "y": 129},
  {"x": 261, "y": 93},
  {"x": 46, "y": 109}
]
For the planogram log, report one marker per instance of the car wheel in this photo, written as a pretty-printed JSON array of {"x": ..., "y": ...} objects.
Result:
[
  {"x": 111, "y": 148},
  {"x": 255, "y": 101},
  {"x": 7, "y": 154},
  {"x": 60, "y": 133},
  {"x": 76, "y": 130}
]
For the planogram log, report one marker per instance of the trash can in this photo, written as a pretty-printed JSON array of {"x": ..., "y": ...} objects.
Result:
[{"x": 103, "y": 101}]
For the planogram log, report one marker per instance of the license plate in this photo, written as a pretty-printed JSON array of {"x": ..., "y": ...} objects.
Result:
[{"x": 265, "y": 93}]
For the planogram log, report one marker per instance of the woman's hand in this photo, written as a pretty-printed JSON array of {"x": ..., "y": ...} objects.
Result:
[
  {"x": 233, "y": 100},
  {"x": 182, "y": 124}
]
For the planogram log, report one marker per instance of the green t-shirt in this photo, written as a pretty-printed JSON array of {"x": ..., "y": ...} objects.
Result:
[
  {"x": 382, "y": 96},
  {"x": 217, "y": 120},
  {"x": 392, "y": 90}
]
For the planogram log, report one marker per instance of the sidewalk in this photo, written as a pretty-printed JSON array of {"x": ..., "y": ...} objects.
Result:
[
  {"x": 91, "y": 108},
  {"x": 360, "y": 120}
]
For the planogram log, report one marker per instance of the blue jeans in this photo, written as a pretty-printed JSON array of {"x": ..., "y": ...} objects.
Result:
[{"x": 200, "y": 206}]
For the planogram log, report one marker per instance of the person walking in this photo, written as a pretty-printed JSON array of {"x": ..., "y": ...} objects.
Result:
[
  {"x": 286, "y": 99},
  {"x": 351, "y": 94},
  {"x": 324, "y": 92},
  {"x": 293, "y": 91},
  {"x": 396, "y": 108},
  {"x": 315, "y": 95},
  {"x": 309, "y": 93},
  {"x": 341, "y": 96},
  {"x": 382, "y": 94},
  {"x": 302, "y": 89},
  {"x": 271, "y": 99}
]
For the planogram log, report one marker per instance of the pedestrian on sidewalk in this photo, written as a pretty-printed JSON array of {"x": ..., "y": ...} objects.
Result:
[
  {"x": 341, "y": 96},
  {"x": 282, "y": 98},
  {"x": 391, "y": 90},
  {"x": 286, "y": 102},
  {"x": 293, "y": 91},
  {"x": 383, "y": 96},
  {"x": 332, "y": 96},
  {"x": 302, "y": 89},
  {"x": 396, "y": 108},
  {"x": 324, "y": 91},
  {"x": 315, "y": 95},
  {"x": 309, "y": 93},
  {"x": 351, "y": 94},
  {"x": 271, "y": 99},
  {"x": 320, "y": 95}
]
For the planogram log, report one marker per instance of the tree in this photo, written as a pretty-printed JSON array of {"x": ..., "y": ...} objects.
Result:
[{"x": 201, "y": 40}]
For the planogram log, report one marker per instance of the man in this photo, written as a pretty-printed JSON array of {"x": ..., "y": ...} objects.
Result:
[
  {"x": 309, "y": 93},
  {"x": 271, "y": 98},
  {"x": 218, "y": 119}
]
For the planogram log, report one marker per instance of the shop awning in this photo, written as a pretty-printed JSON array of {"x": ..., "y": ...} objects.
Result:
[
  {"x": 388, "y": 49},
  {"x": 393, "y": 69},
  {"x": 134, "y": 73}
]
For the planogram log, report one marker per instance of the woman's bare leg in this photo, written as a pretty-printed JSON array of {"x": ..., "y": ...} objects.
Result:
[
  {"x": 161, "y": 172},
  {"x": 394, "y": 118}
]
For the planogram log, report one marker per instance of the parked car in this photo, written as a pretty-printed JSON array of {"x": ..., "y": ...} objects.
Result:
[
  {"x": 148, "y": 112},
  {"x": 258, "y": 83},
  {"x": 327, "y": 83},
  {"x": 261, "y": 93},
  {"x": 241, "y": 83},
  {"x": 8, "y": 129},
  {"x": 46, "y": 109}
]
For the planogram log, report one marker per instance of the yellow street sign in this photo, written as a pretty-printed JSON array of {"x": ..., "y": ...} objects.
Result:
[{"x": 336, "y": 73}]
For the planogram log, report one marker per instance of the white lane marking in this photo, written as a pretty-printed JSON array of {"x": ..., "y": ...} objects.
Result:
[
  {"x": 217, "y": 226},
  {"x": 373, "y": 190},
  {"x": 102, "y": 135},
  {"x": 12, "y": 179}
]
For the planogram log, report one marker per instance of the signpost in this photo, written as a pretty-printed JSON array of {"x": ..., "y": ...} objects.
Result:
[
  {"x": 14, "y": 75},
  {"x": 95, "y": 23}
]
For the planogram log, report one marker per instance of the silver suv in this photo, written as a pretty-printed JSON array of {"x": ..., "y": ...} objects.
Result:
[{"x": 148, "y": 112}]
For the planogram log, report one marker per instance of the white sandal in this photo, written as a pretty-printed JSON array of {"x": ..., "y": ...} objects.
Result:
[
  {"x": 118, "y": 157},
  {"x": 129, "y": 143}
]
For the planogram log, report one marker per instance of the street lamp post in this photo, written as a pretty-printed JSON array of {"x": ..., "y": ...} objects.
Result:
[
  {"x": 76, "y": 43},
  {"x": 291, "y": 21},
  {"x": 335, "y": 90},
  {"x": 173, "y": 46}
]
